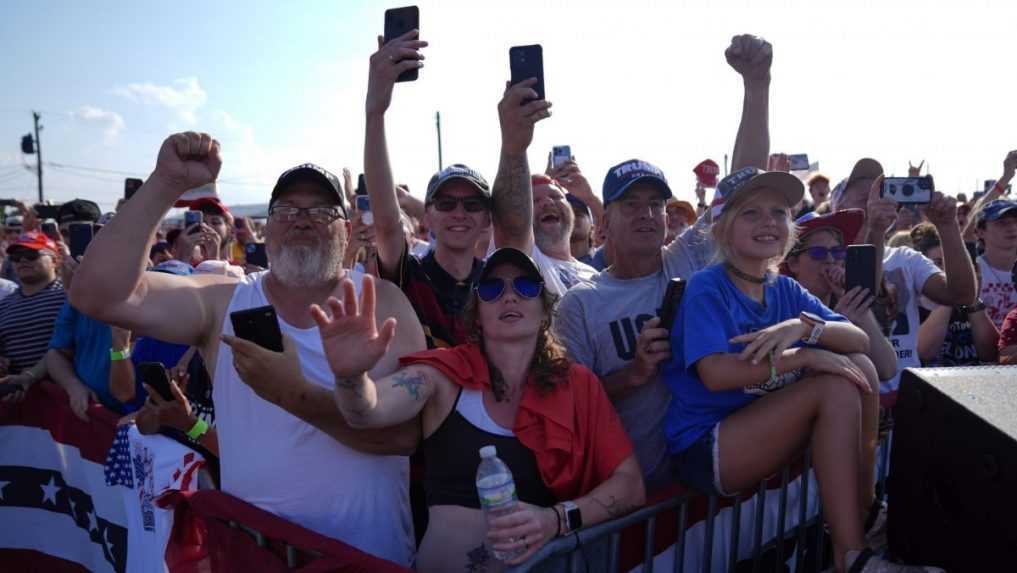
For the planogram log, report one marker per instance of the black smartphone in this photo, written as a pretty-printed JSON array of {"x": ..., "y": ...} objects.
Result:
[
  {"x": 131, "y": 186},
  {"x": 361, "y": 185},
  {"x": 80, "y": 235},
  {"x": 154, "y": 374},
  {"x": 255, "y": 254},
  {"x": 47, "y": 211},
  {"x": 192, "y": 218},
  {"x": 50, "y": 229},
  {"x": 259, "y": 325},
  {"x": 860, "y": 268},
  {"x": 671, "y": 303},
  {"x": 528, "y": 62},
  {"x": 398, "y": 21},
  {"x": 798, "y": 162}
]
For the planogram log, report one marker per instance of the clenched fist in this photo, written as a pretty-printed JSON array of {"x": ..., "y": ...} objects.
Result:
[
  {"x": 750, "y": 56},
  {"x": 188, "y": 160}
]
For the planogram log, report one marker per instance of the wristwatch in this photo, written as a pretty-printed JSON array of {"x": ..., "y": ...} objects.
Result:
[
  {"x": 816, "y": 325},
  {"x": 573, "y": 517},
  {"x": 972, "y": 308}
]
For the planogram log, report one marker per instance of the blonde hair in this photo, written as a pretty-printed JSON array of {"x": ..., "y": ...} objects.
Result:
[
  {"x": 900, "y": 239},
  {"x": 721, "y": 229}
]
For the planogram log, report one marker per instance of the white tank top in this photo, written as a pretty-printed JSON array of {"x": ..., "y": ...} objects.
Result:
[{"x": 282, "y": 464}]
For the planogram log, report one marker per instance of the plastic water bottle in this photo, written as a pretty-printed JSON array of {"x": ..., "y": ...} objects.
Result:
[{"x": 497, "y": 492}]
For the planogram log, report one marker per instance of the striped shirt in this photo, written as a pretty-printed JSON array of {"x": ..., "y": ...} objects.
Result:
[{"x": 26, "y": 324}]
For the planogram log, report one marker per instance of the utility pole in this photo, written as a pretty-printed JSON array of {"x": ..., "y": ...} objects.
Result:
[
  {"x": 38, "y": 152},
  {"x": 437, "y": 123}
]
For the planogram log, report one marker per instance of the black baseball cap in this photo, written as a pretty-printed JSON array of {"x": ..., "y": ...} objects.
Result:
[
  {"x": 453, "y": 172},
  {"x": 78, "y": 210},
  {"x": 311, "y": 173},
  {"x": 514, "y": 257}
]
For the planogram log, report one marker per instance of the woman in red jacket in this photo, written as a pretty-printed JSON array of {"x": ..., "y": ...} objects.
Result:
[{"x": 513, "y": 388}]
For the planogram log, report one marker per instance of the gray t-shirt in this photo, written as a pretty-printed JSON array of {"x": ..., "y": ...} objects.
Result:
[{"x": 599, "y": 323}]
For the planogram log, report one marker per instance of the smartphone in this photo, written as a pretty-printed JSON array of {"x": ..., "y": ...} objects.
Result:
[
  {"x": 50, "y": 229},
  {"x": 914, "y": 190},
  {"x": 361, "y": 185},
  {"x": 80, "y": 235},
  {"x": 255, "y": 254},
  {"x": 672, "y": 301},
  {"x": 154, "y": 374},
  {"x": 47, "y": 211},
  {"x": 238, "y": 222},
  {"x": 860, "y": 268},
  {"x": 798, "y": 162},
  {"x": 131, "y": 186},
  {"x": 259, "y": 325},
  {"x": 528, "y": 62},
  {"x": 559, "y": 155},
  {"x": 192, "y": 218},
  {"x": 398, "y": 21}
]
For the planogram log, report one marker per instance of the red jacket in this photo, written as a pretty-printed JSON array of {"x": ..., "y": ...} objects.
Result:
[{"x": 573, "y": 431}]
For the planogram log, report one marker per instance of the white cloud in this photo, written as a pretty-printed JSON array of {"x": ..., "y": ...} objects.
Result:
[
  {"x": 112, "y": 122},
  {"x": 184, "y": 96}
]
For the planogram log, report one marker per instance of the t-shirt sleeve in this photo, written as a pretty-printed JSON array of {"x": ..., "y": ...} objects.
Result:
[
  {"x": 609, "y": 444},
  {"x": 810, "y": 303},
  {"x": 571, "y": 327},
  {"x": 401, "y": 268},
  {"x": 703, "y": 315},
  {"x": 920, "y": 268},
  {"x": 689, "y": 252},
  {"x": 63, "y": 328},
  {"x": 1008, "y": 334}
]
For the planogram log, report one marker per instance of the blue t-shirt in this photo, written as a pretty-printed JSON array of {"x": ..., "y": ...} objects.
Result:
[
  {"x": 91, "y": 341},
  {"x": 713, "y": 311}
]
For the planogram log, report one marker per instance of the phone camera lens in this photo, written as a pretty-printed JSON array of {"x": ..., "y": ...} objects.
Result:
[{"x": 908, "y": 190}]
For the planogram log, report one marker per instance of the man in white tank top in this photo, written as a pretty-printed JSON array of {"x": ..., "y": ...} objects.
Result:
[{"x": 284, "y": 445}]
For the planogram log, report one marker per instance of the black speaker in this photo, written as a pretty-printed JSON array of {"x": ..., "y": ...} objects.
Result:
[{"x": 953, "y": 469}]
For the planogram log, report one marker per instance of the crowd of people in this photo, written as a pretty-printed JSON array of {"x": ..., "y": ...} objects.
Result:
[{"x": 522, "y": 313}]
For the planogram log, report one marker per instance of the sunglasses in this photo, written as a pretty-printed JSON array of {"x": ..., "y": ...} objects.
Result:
[
  {"x": 470, "y": 204},
  {"x": 820, "y": 253},
  {"x": 490, "y": 290},
  {"x": 30, "y": 256}
]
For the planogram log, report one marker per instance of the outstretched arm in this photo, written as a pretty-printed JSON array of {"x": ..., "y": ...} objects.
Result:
[
  {"x": 391, "y": 59},
  {"x": 512, "y": 193},
  {"x": 751, "y": 57}
]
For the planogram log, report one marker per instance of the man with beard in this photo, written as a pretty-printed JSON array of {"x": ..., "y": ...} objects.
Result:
[
  {"x": 611, "y": 325},
  {"x": 284, "y": 445},
  {"x": 553, "y": 223}
]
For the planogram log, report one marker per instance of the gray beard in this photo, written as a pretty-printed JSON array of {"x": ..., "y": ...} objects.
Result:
[{"x": 303, "y": 266}]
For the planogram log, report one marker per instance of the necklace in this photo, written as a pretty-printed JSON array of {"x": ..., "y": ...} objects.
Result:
[{"x": 745, "y": 276}]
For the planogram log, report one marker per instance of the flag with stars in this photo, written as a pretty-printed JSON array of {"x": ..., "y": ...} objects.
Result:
[{"x": 118, "y": 461}]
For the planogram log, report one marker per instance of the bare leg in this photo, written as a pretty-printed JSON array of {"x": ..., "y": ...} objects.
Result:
[
  {"x": 870, "y": 434},
  {"x": 824, "y": 409}
]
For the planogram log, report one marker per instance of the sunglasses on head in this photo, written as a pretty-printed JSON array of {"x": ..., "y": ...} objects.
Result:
[
  {"x": 490, "y": 290},
  {"x": 24, "y": 255},
  {"x": 470, "y": 204},
  {"x": 820, "y": 253}
]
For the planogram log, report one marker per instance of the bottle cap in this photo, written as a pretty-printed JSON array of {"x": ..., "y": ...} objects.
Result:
[{"x": 488, "y": 452}]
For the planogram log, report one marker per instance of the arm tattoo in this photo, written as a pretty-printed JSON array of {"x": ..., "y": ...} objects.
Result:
[
  {"x": 477, "y": 560},
  {"x": 410, "y": 381},
  {"x": 612, "y": 506},
  {"x": 512, "y": 194}
]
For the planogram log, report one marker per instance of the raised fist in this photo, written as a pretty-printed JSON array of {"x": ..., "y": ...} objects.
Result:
[
  {"x": 1010, "y": 163},
  {"x": 188, "y": 160},
  {"x": 750, "y": 56}
]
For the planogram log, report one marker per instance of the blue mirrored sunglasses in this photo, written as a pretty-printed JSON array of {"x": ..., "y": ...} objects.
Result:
[
  {"x": 820, "y": 253},
  {"x": 490, "y": 290}
]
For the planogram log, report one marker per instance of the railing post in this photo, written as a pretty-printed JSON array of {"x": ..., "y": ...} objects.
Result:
[
  {"x": 651, "y": 533},
  {"x": 757, "y": 530},
  {"x": 803, "y": 510},
  {"x": 711, "y": 509},
  {"x": 679, "y": 544},
  {"x": 736, "y": 516},
  {"x": 785, "y": 476}
]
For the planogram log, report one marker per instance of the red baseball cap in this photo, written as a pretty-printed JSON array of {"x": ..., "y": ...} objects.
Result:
[
  {"x": 34, "y": 240},
  {"x": 707, "y": 172},
  {"x": 202, "y": 203}
]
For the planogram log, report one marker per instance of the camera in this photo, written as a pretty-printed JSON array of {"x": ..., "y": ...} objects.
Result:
[{"x": 916, "y": 190}]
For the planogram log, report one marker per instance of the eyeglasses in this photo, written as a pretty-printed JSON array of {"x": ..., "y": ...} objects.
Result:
[
  {"x": 490, "y": 290},
  {"x": 25, "y": 255},
  {"x": 320, "y": 215},
  {"x": 820, "y": 253},
  {"x": 634, "y": 206},
  {"x": 470, "y": 204}
]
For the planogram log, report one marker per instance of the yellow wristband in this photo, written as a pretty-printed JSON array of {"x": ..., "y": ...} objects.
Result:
[
  {"x": 197, "y": 430},
  {"x": 119, "y": 354}
]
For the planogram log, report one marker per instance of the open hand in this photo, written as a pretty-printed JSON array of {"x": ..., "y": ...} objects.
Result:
[
  {"x": 351, "y": 339},
  {"x": 518, "y": 111},
  {"x": 188, "y": 160},
  {"x": 750, "y": 56},
  {"x": 399, "y": 55},
  {"x": 528, "y": 528}
]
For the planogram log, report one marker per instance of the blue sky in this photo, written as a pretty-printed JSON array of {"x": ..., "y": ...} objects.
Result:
[{"x": 280, "y": 83}]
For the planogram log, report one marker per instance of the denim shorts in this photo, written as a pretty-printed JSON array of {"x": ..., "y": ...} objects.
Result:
[{"x": 699, "y": 465}]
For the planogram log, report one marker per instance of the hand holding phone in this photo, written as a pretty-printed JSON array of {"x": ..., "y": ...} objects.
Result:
[
  {"x": 560, "y": 154},
  {"x": 155, "y": 376},
  {"x": 671, "y": 303},
  {"x": 192, "y": 218},
  {"x": 259, "y": 325},
  {"x": 860, "y": 268},
  {"x": 399, "y": 21},
  {"x": 527, "y": 62}
]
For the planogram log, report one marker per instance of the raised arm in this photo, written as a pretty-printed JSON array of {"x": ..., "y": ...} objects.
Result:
[
  {"x": 111, "y": 284},
  {"x": 391, "y": 59},
  {"x": 1009, "y": 166},
  {"x": 751, "y": 57},
  {"x": 957, "y": 285},
  {"x": 512, "y": 193}
]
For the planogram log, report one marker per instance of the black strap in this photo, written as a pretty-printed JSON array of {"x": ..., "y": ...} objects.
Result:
[
  {"x": 874, "y": 511},
  {"x": 861, "y": 560}
]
